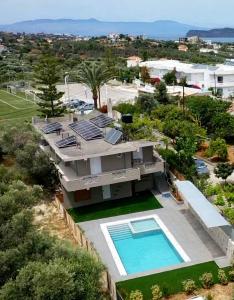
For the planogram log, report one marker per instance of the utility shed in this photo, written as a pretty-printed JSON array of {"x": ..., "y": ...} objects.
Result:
[{"x": 212, "y": 221}]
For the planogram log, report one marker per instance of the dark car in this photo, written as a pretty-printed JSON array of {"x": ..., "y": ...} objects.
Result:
[
  {"x": 201, "y": 167},
  {"x": 76, "y": 103},
  {"x": 86, "y": 106}
]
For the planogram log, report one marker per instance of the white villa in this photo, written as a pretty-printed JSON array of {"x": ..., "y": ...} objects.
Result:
[{"x": 219, "y": 77}]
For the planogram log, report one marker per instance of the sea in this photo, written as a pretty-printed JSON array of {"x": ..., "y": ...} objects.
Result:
[{"x": 212, "y": 39}]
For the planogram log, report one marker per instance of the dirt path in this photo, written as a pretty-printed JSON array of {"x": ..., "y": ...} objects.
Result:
[
  {"x": 219, "y": 292},
  {"x": 47, "y": 218}
]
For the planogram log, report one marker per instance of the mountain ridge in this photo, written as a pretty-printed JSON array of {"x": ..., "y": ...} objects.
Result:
[
  {"x": 94, "y": 27},
  {"x": 226, "y": 32}
]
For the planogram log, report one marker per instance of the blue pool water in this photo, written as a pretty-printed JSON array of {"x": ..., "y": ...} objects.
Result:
[{"x": 143, "y": 250}]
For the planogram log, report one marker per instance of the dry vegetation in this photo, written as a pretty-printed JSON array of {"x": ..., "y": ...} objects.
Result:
[{"x": 48, "y": 218}]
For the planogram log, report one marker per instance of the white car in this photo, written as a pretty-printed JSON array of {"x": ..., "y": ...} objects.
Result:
[{"x": 197, "y": 298}]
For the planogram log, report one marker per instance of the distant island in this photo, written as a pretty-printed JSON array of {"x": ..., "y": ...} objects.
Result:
[{"x": 212, "y": 33}]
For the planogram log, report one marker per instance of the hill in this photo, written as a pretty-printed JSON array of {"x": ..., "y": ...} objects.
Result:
[
  {"x": 213, "y": 33},
  {"x": 93, "y": 27}
]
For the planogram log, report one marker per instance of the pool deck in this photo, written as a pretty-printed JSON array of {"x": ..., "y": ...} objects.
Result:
[{"x": 193, "y": 239}]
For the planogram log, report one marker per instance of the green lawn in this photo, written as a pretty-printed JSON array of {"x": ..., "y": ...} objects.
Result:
[
  {"x": 16, "y": 107},
  {"x": 170, "y": 280},
  {"x": 144, "y": 201}
]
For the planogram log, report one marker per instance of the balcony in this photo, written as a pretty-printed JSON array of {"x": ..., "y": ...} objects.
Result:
[
  {"x": 72, "y": 182},
  {"x": 157, "y": 165}
]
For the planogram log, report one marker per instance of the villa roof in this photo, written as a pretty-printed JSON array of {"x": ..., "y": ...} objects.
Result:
[
  {"x": 201, "y": 206},
  {"x": 188, "y": 67}
]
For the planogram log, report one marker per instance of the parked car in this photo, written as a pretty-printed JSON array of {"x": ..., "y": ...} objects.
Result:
[
  {"x": 76, "y": 103},
  {"x": 86, "y": 106},
  {"x": 201, "y": 167}
]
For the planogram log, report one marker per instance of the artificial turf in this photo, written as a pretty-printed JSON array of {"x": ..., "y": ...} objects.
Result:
[
  {"x": 142, "y": 202},
  {"x": 16, "y": 107},
  {"x": 171, "y": 281}
]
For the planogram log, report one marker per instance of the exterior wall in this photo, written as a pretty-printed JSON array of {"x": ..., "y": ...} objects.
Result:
[
  {"x": 147, "y": 154},
  {"x": 121, "y": 190},
  {"x": 83, "y": 167},
  {"x": 146, "y": 183},
  {"x": 115, "y": 162}
]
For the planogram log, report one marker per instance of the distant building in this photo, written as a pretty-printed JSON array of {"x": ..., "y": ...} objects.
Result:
[
  {"x": 220, "y": 78},
  {"x": 183, "y": 48},
  {"x": 207, "y": 50},
  {"x": 2, "y": 48},
  {"x": 183, "y": 40},
  {"x": 194, "y": 39},
  {"x": 133, "y": 61}
]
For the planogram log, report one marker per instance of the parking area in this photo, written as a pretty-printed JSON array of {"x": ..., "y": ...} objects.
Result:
[{"x": 117, "y": 93}]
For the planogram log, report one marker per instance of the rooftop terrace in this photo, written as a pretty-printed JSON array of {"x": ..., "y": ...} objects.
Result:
[{"x": 84, "y": 149}]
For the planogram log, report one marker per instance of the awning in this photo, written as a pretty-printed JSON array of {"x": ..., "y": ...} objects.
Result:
[{"x": 201, "y": 206}]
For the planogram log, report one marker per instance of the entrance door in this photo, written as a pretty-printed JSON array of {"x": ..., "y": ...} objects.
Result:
[
  {"x": 106, "y": 192},
  {"x": 95, "y": 165}
]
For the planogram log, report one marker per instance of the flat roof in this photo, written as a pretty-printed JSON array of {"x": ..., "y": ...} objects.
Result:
[
  {"x": 87, "y": 149},
  {"x": 170, "y": 64},
  {"x": 204, "y": 209}
]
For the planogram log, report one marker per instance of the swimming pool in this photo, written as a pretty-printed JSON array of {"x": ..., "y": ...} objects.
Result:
[{"x": 142, "y": 244}]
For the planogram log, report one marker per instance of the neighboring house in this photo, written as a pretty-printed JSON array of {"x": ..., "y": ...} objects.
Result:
[
  {"x": 94, "y": 163},
  {"x": 183, "y": 48},
  {"x": 2, "y": 48},
  {"x": 194, "y": 39},
  {"x": 220, "y": 78},
  {"x": 133, "y": 61},
  {"x": 207, "y": 50}
]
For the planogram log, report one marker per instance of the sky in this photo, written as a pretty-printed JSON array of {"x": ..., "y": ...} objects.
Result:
[{"x": 209, "y": 13}]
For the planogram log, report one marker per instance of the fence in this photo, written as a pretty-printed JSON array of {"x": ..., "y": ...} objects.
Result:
[{"x": 83, "y": 242}]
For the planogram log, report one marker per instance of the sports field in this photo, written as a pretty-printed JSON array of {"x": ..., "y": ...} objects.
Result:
[{"x": 16, "y": 107}]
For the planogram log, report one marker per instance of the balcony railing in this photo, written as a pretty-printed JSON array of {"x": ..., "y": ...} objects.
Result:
[
  {"x": 71, "y": 182},
  {"x": 149, "y": 167}
]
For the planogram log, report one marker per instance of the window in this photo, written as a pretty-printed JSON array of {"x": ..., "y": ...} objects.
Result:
[{"x": 220, "y": 79}]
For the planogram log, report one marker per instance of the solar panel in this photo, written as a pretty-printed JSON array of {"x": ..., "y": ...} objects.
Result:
[
  {"x": 86, "y": 130},
  {"x": 52, "y": 127},
  {"x": 102, "y": 121},
  {"x": 114, "y": 136},
  {"x": 67, "y": 142}
]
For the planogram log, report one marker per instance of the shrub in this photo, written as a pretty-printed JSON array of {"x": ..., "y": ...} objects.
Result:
[
  {"x": 156, "y": 292},
  {"x": 231, "y": 275},
  {"x": 206, "y": 280},
  {"x": 219, "y": 200},
  {"x": 136, "y": 295},
  {"x": 209, "y": 297},
  {"x": 222, "y": 277},
  {"x": 189, "y": 286}
]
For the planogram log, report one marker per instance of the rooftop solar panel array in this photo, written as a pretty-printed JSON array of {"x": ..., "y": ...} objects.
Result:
[
  {"x": 52, "y": 127},
  {"x": 86, "y": 130},
  {"x": 114, "y": 136},
  {"x": 101, "y": 121},
  {"x": 67, "y": 142}
]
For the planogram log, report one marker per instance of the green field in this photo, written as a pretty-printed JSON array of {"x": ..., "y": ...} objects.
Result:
[{"x": 16, "y": 107}]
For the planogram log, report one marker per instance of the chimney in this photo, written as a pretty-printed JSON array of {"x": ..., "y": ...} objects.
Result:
[{"x": 109, "y": 108}]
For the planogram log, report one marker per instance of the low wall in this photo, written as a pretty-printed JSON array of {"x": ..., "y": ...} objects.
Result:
[{"x": 84, "y": 243}]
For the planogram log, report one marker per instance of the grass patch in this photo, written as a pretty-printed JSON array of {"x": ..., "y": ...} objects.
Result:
[
  {"x": 142, "y": 202},
  {"x": 170, "y": 280},
  {"x": 16, "y": 107}
]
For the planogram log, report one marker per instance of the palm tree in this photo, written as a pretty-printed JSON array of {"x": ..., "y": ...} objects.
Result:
[
  {"x": 94, "y": 75},
  {"x": 183, "y": 82}
]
